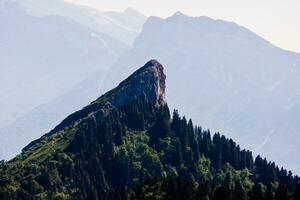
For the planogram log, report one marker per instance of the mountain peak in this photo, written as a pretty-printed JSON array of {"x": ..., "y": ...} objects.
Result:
[
  {"x": 149, "y": 80},
  {"x": 179, "y": 13},
  {"x": 153, "y": 63},
  {"x": 135, "y": 13},
  {"x": 131, "y": 10},
  {"x": 146, "y": 82}
]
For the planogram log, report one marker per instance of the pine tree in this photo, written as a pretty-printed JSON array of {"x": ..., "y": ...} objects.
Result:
[
  {"x": 177, "y": 155},
  {"x": 223, "y": 193},
  {"x": 257, "y": 192},
  {"x": 269, "y": 193},
  {"x": 240, "y": 193},
  {"x": 281, "y": 193},
  {"x": 296, "y": 195},
  {"x": 204, "y": 191},
  {"x": 161, "y": 127},
  {"x": 175, "y": 124}
]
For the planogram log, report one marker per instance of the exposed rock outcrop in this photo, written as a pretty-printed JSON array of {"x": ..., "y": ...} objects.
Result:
[{"x": 149, "y": 80}]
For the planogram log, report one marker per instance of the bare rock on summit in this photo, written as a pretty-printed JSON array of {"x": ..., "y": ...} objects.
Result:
[{"x": 149, "y": 80}]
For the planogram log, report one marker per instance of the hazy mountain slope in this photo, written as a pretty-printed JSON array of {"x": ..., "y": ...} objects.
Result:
[
  {"x": 226, "y": 78},
  {"x": 124, "y": 26},
  {"x": 125, "y": 138},
  {"x": 42, "y": 58},
  {"x": 43, "y": 118}
]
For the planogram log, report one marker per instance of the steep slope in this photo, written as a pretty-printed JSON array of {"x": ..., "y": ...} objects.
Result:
[
  {"x": 125, "y": 138},
  {"x": 226, "y": 78},
  {"x": 42, "y": 58},
  {"x": 146, "y": 86},
  {"x": 123, "y": 26}
]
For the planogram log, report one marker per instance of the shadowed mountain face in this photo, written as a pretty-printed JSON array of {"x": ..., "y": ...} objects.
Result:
[
  {"x": 222, "y": 75},
  {"x": 132, "y": 106},
  {"x": 44, "y": 55},
  {"x": 125, "y": 138},
  {"x": 226, "y": 78},
  {"x": 42, "y": 58},
  {"x": 147, "y": 82}
]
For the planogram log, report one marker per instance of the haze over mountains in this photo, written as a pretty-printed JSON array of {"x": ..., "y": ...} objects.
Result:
[
  {"x": 43, "y": 118},
  {"x": 46, "y": 49},
  {"x": 226, "y": 78},
  {"x": 39, "y": 55},
  {"x": 123, "y": 26},
  {"x": 220, "y": 74},
  {"x": 127, "y": 138}
]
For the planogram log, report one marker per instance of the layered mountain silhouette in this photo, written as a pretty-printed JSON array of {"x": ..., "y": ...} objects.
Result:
[
  {"x": 222, "y": 75},
  {"x": 125, "y": 138},
  {"x": 43, "y": 57},
  {"x": 43, "y": 118},
  {"x": 48, "y": 51},
  {"x": 226, "y": 78},
  {"x": 123, "y": 26}
]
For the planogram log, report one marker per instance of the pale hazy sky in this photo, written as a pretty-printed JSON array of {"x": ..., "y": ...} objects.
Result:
[{"x": 276, "y": 20}]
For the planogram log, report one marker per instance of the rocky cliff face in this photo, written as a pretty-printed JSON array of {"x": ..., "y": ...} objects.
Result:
[
  {"x": 92, "y": 135},
  {"x": 149, "y": 80},
  {"x": 124, "y": 138},
  {"x": 228, "y": 79}
]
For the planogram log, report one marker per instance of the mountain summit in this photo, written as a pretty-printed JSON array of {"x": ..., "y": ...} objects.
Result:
[
  {"x": 124, "y": 139},
  {"x": 70, "y": 47},
  {"x": 149, "y": 80},
  {"x": 227, "y": 78},
  {"x": 145, "y": 85}
]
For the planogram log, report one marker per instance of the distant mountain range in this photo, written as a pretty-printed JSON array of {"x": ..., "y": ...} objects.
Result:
[
  {"x": 127, "y": 138},
  {"x": 43, "y": 118},
  {"x": 46, "y": 49},
  {"x": 43, "y": 57},
  {"x": 222, "y": 75},
  {"x": 123, "y": 26},
  {"x": 225, "y": 78}
]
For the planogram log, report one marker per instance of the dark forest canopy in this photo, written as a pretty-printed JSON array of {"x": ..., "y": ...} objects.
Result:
[
  {"x": 178, "y": 189},
  {"x": 112, "y": 150}
]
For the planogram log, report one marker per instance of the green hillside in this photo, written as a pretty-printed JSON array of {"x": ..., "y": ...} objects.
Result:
[{"x": 126, "y": 145}]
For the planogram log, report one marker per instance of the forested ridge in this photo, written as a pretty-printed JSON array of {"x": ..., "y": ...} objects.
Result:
[
  {"x": 127, "y": 145},
  {"x": 178, "y": 188}
]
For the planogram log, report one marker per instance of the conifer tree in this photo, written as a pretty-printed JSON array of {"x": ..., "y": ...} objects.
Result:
[
  {"x": 257, "y": 192},
  {"x": 240, "y": 193},
  {"x": 296, "y": 195},
  {"x": 269, "y": 193},
  {"x": 281, "y": 193}
]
